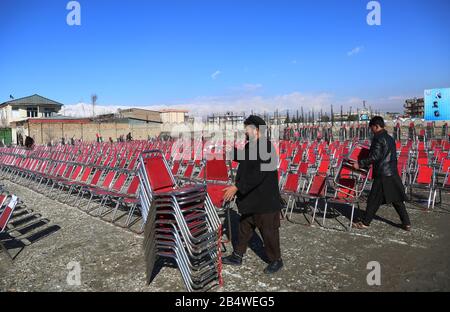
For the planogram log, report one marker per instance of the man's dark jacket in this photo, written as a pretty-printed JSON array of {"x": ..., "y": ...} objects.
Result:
[
  {"x": 383, "y": 157},
  {"x": 257, "y": 178}
]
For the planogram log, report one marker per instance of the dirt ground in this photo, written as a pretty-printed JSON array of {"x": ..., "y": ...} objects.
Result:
[{"x": 316, "y": 259}]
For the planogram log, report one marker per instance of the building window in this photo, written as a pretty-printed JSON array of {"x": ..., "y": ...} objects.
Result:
[
  {"x": 47, "y": 112},
  {"x": 32, "y": 112}
]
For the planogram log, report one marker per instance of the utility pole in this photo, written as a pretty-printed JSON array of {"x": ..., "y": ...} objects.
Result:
[{"x": 332, "y": 116}]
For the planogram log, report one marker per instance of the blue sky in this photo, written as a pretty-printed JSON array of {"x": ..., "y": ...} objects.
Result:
[{"x": 225, "y": 54}]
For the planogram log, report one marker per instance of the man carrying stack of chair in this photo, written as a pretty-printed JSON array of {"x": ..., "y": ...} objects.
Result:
[{"x": 258, "y": 196}]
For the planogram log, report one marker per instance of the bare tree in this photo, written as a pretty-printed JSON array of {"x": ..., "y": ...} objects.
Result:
[{"x": 94, "y": 98}]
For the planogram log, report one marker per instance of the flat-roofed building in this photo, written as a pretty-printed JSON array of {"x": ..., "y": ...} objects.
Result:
[
  {"x": 173, "y": 115},
  {"x": 414, "y": 108},
  {"x": 140, "y": 114}
]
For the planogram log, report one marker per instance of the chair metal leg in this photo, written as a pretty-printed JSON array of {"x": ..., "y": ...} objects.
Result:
[
  {"x": 351, "y": 218},
  {"x": 314, "y": 213},
  {"x": 434, "y": 200},
  {"x": 2, "y": 247},
  {"x": 324, "y": 213},
  {"x": 294, "y": 204}
]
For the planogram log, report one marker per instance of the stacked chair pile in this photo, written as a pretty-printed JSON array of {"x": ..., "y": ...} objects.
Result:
[{"x": 181, "y": 224}]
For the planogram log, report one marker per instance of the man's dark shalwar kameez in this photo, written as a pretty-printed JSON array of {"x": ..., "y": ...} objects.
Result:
[
  {"x": 387, "y": 187},
  {"x": 258, "y": 196}
]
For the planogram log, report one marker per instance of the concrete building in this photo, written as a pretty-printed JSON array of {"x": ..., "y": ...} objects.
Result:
[
  {"x": 414, "y": 108},
  {"x": 34, "y": 106},
  {"x": 227, "y": 121},
  {"x": 171, "y": 118},
  {"x": 173, "y": 115},
  {"x": 140, "y": 114}
]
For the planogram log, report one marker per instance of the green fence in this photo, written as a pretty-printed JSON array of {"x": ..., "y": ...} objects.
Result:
[{"x": 6, "y": 135}]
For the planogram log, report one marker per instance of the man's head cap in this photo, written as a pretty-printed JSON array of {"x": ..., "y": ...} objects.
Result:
[{"x": 254, "y": 121}]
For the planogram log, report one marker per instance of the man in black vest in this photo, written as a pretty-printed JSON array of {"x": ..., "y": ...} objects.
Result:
[
  {"x": 258, "y": 195},
  {"x": 387, "y": 187}
]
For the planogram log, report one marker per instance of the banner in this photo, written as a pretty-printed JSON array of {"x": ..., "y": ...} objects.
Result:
[{"x": 437, "y": 104}]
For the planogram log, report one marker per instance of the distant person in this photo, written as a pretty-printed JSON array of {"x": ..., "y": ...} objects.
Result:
[
  {"x": 72, "y": 140},
  {"x": 129, "y": 137},
  {"x": 63, "y": 141},
  {"x": 20, "y": 139},
  {"x": 387, "y": 187},
  {"x": 444, "y": 133},
  {"x": 29, "y": 142},
  {"x": 111, "y": 140}
]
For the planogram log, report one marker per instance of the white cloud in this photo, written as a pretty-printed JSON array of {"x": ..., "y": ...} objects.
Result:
[
  {"x": 215, "y": 74},
  {"x": 202, "y": 106},
  {"x": 85, "y": 109},
  {"x": 355, "y": 51},
  {"x": 247, "y": 101}
]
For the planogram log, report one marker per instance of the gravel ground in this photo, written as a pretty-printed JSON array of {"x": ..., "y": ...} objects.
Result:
[{"x": 316, "y": 259}]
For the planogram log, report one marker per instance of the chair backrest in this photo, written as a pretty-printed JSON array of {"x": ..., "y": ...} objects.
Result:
[
  {"x": 424, "y": 175},
  {"x": 55, "y": 169},
  {"x": 120, "y": 181},
  {"x": 291, "y": 183},
  {"x": 297, "y": 157},
  {"x": 175, "y": 167},
  {"x": 122, "y": 163},
  {"x": 445, "y": 165},
  {"x": 158, "y": 175},
  {"x": 68, "y": 172},
  {"x": 7, "y": 213},
  {"x": 346, "y": 188},
  {"x": 61, "y": 169},
  {"x": 2, "y": 199},
  {"x": 303, "y": 168},
  {"x": 108, "y": 179},
  {"x": 86, "y": 173},
  {"x": 323, "y": 168},
  {"x": 359, "y": 152},
  {"x": 422, "y": 161},
  {"x": 188, "y": 172},
  {"x": 216, "y": 170},
  {"x": 132, "y": 188},
  {"x": 317, "y": 186},
  {"x": 284, "y": 164},
  {"x": 76, "y": 173},
  {"x": 132, "y": 163},
  {"x": 346, "y": 171},
  {"x": 95, "y": 179}
]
